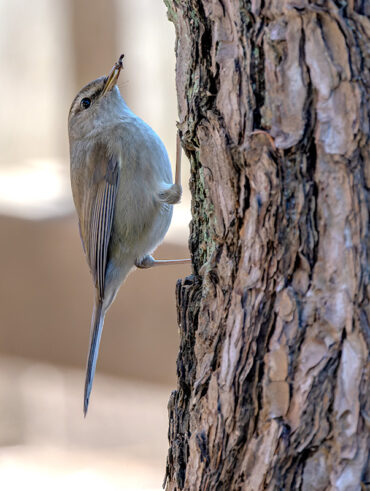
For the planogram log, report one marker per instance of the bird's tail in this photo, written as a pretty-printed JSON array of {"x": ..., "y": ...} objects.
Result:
[{"x": 97, "y": 323}]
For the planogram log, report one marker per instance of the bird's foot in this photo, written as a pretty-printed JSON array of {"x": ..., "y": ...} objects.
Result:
[{"x": 148, "y": 262}]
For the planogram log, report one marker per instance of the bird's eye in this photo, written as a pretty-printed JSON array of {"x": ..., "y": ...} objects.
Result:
[{"x": 85, "y": 103}]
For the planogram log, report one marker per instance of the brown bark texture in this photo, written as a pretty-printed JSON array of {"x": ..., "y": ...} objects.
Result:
[{"x": 273, "y": 372}]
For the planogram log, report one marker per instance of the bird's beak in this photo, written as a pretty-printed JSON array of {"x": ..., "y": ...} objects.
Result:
[{"x": 113, "y": 76}]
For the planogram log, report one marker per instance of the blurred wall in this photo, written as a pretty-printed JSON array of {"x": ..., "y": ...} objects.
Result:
[
  {"x": 93, "y": 38},
  {"x": 36, "y": 81}
]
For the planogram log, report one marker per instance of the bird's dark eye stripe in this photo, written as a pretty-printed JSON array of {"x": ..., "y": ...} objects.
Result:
[{"x": 96, "y": 94}]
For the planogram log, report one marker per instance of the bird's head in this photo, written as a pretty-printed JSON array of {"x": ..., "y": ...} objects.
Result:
[{"x": 95, "y": 104}]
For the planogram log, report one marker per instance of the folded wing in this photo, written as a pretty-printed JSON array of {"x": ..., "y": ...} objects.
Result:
[{"x": 101, "y": 221}]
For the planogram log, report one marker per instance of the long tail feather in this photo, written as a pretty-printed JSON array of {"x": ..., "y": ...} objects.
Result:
[{"x": 97, "y": 323}]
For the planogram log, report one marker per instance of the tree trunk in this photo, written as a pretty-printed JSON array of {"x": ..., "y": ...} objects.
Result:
[{"x": 273, "y": 380}]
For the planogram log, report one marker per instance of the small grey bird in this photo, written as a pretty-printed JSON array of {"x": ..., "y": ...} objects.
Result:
[{"x": 123, "y": 192}]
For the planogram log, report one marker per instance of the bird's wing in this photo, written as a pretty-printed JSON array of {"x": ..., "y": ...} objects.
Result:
[
  {"x": 94, "y": 186},
  {"x": 101, "y": 211},
  {"x": 98, "y": 237}
]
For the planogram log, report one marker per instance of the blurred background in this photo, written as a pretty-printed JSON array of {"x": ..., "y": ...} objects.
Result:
[{"x": 48, "y": 51}]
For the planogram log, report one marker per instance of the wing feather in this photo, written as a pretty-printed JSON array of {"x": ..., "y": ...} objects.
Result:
[{"x": 101, "y": 221}]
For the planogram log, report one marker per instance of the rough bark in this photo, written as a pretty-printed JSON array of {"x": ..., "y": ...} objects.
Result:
[{"x": 273, "y": 379}]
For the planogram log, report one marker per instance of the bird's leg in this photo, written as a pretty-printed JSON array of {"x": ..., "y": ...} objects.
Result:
[
  {"x": 172, "y": 195},
  {"x": 148, "y": 261}
]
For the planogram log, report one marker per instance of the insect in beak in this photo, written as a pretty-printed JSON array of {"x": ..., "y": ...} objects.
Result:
[{"x": 113, "y": 76}]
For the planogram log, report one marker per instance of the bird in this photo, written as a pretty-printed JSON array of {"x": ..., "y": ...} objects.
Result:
[{"x": 123, "y": 193}]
